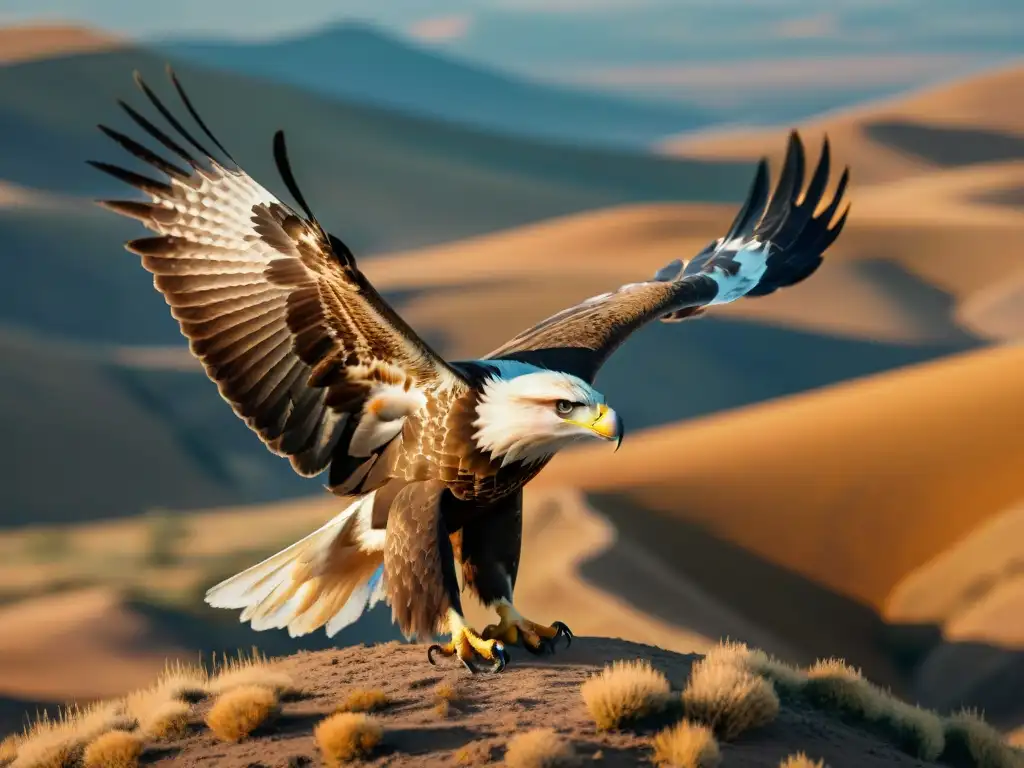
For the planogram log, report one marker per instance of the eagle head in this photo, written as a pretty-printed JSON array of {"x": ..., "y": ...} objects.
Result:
[{"x": 525, "y": 413}]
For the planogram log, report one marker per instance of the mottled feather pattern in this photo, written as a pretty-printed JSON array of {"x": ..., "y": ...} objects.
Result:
[
  {"x": 418, "y": 560},
  {"x": 276, "y": 309}
]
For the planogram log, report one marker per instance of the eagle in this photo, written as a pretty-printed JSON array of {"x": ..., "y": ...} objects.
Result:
[{"x": 430, "y": 455}]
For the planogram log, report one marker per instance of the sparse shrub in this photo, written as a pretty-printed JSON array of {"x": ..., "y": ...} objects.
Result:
[
  {"x": 347, "y": 736},
  {"x": 474, "y": 754},
  {"x": 787, "y": 679},
  {"x": 364, "y": 700},
  {"x": 623, "y": 692},
  {"x": 834, "y": 685},
  {"x": 918, "y": 732},
  {"x": 113, "y": 749},
  {"x": 973, "y": 743},
  {"x": 59, "y": 742},
  {"x": 728, "y": 697},
  {"x": 447, "y": 694},
  {"x": 250, "y": 670},
  {"x": 166, "y": 722},
  {"x": 240, "y": 711},
  {"x": 686, "y": 745},
  {"x": 800, "y": 760},
  {"x": 540, "y": 748},
  {"x": 185, "y": 682},
  {"x": 9, "y": 748}
]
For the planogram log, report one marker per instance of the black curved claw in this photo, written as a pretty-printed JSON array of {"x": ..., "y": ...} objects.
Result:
[
  {"x": 435, "y": 648},
  {"x": 501, "y": 657},
  {"x": 562, "y": 631}
]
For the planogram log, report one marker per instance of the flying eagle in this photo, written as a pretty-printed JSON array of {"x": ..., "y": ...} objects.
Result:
[{"x": 432, "y": 455}]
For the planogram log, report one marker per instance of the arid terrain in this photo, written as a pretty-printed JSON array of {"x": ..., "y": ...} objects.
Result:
[
  {"x": 600, "y": 701},
  {"x": 831, "y": 470}
]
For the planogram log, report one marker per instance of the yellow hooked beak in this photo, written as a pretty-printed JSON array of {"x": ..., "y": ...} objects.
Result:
[{"x": 607, "y": 425}]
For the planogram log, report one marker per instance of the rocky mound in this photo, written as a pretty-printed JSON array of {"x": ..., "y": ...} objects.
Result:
[{"x": 602, "y": 701}]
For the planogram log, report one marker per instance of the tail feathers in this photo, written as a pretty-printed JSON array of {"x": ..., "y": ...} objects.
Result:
[{"x": 329, "y": 577}]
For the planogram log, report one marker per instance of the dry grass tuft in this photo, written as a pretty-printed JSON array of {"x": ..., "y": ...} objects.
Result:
[
  {"x": 625, "y": 691},
  {"x": 9, "y": 748},
  {"x": 113, "y": 749},
  {"x": 59, "y": 742},
  {"x": 347, "y": 736},
  {"x": 240, "y": 711},
  {"x": 254, "y": 669},
  {"x": 166, "y": 722},
  {"x": 364, "y": 700},
  {"x": 834, "y": 685},
  {"x": 184, "y": 682},
  {"x": 787, "y": 679},
  {"x": 687, "y": 745},
  {"x": 447, "y": 695},
  {"x": 972, "y": 741},
  {"x": 728, "y": 697},
  {"x": 540, "y": 748},
  {"x": 800, "y": 760},
  {"x": 474, "y": 754},
  {"x": 918, "y": 732}
]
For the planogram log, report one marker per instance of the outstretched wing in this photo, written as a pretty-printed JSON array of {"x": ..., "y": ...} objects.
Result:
[
  {"x": 772, "y": 243},
  {"x": 296, "y": 338}
]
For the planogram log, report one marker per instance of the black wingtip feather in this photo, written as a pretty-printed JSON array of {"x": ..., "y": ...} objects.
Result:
[
  {"x": 754, "y": 205},
  {"x": 170, "y": 118},
  {"x": 144, "y": 153},
  {"x": 137, "y": 180},
  {"x": 195, "y": 115},
  {"x": 285, "y": 169}
]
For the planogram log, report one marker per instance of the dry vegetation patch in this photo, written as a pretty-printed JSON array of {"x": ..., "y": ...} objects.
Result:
[
  {"x": 834, "y": 685},
  {"x": 364, "y": 700},
  {"x": 728, "y": 697},
  {"x": 347, "y": 736},
  {"x": 686, "y": 745},
  {"x": 448, "y": 695},
  {"x": 623, "y": 692},
  {"x": 242, "y": 670},
  {"x": 59, "y": 742},
  {"x": 788, "y": 680},
  {"x": 113, "y": 749},
  {"x": 541, "y": 748},
  {"x": 970, "y": 741},
  {"x": 240, "y": 711},
  {"x": 800, "y": 760}
]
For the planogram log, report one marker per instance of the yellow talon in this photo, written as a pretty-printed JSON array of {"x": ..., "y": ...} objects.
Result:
[
  {"x": 467, "y": 645},
  {"x": 514, "y": 628}
]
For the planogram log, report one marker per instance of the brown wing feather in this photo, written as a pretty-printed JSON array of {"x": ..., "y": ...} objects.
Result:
[
  {"x": 781, "y": 231},
  {"x": 299, "y": 342}
]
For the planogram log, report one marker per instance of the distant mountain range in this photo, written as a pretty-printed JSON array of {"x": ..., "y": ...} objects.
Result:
[{"x": 360, "y": 63}]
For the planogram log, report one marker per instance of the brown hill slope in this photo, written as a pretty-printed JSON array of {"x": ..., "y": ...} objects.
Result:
[
  {"x": 440, "y": 716},
  {"x": 25, "y": 42},
  {"x": 968, "y": 121},
  {"x": 852, "y": 486}
]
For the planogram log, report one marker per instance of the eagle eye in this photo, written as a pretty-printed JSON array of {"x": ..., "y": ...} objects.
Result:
[{"x": 564, "y": 407}]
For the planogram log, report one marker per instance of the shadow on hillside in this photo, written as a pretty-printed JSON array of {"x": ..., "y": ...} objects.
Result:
[
  {"x": 818, "y": 623},
  {"x": 947, "y": 146}
]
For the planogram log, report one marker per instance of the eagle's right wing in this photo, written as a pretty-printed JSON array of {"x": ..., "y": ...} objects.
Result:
[{"x": 297, "y": 339}]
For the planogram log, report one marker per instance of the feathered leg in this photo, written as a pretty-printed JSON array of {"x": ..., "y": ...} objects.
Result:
[{"x": 422, "y": 586}]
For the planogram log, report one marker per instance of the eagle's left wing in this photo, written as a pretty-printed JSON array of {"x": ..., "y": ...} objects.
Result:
[{"x": 772, "y": 243}]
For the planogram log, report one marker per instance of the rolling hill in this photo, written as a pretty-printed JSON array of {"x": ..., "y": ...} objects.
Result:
[
  {"x": 825, "y": 501},
  {"x": 360, "y": 63},
  {"x": 966, "y": 122}
]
